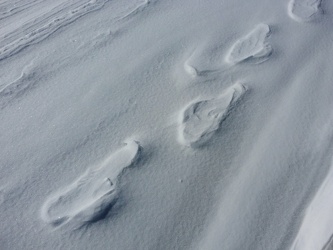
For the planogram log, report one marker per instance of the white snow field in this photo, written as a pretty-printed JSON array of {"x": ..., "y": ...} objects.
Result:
[{"x": 164, "y": 124}]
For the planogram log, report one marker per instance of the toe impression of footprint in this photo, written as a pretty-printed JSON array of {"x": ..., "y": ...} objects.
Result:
[
  {"x": 91, "y": 196},
  {"x": 201, "y": 119}
]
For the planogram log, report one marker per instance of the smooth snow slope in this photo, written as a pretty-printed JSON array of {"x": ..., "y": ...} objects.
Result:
[{"x": 225, "y": 106}]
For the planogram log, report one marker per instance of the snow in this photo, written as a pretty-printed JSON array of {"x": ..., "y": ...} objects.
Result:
[
  {"x": 135, "y": 124},
  {"x": 316, "y": 227}
]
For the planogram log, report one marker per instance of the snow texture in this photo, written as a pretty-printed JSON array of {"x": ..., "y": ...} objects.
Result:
[{"x": 210, "y": 163}]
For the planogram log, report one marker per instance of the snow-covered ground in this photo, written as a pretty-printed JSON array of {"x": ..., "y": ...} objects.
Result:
[{"x": 164, "y": 124}]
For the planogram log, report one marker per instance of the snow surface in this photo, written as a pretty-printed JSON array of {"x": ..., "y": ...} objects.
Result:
[
  {"x": 150, "y": 124},
  {"x": 317, "y": 225}
]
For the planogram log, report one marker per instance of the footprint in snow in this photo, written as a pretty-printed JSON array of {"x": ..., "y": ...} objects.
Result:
[
  {"x": 252, "y": 48},
  {"x": 304, "y": 10},
  {"x": 201, "y": 119},
  {"x": 91, "y": 196}
]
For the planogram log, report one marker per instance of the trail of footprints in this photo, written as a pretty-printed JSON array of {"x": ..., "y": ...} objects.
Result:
[
  {"x": 92, "y": 195},
  {"x": 201, "y": 119}
]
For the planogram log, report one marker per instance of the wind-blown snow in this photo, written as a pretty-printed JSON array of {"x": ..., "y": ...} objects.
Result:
[{"x": 227, "y": 111}]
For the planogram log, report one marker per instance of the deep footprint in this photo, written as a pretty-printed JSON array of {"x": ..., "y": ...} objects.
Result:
[
  {"x": 90, "y": 197},
  {"x": 201, "y": 119},
  {"x": 253, "y": 47},
  {"x": 304, "y": 10}
]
